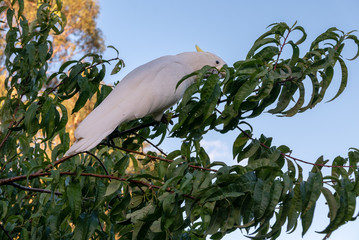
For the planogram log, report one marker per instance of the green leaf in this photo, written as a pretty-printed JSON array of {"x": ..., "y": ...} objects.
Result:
[
  {"x": 169, "y": 204},
  {"x": 295, "y": 55},
  {"x": 64, "y": 118},
  {"x": 240, "y": 142},
  {"x": 332, "y": 203},
  {"x": 315, "y": 98},
  {"x": 328, "y": 35},
  {"x": 260, "y": 43},
  {"x": 10, "y": 15},
  {"x": 285, "y": 97},
  {"x": 261, "y": 197},
  {"x": 356, "y": 40},
  {"x": 81, "y": 101},
  {"x": 30, "y": 120},
  {"x": 307, "y": 219},
  {"x": 310, "y": 190},
  {"x": 119, "y": 65},
  {"x": 262, "y": 163},
  {"x": 74, "y": 197},
  {"x": 344, "y": 81},
  {"x": 86, "y": 226},
  {"x": 112, "y": 187},
  {"x": 303, "y": 38},
  {"x": 295, "y": 109},
  {"x": 114, "y": 48},
  {"x": 244, "y": 91},
  {"x": 3, "y": 8},
  {"x": 249, "y": 150}
]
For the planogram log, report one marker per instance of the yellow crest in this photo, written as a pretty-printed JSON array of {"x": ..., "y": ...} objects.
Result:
[{"x": 198, "y": 49}]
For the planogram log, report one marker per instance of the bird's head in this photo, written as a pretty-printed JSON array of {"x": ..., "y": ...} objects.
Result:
[
  {"x": 199, "y": 59},
  {"x": 210, "y": 59}
]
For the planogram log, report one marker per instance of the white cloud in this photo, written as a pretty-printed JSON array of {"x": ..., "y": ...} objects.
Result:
[{"x": 220, "y": 151}]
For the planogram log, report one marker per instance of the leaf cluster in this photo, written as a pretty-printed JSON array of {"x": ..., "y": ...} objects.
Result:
[{"x": 118, "y": 191}]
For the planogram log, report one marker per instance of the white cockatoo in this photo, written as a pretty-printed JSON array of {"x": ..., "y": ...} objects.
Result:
[{"x": 149, "y": 89}]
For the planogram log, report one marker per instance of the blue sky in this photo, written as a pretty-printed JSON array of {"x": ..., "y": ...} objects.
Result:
[{"x": 144, "y": 30}]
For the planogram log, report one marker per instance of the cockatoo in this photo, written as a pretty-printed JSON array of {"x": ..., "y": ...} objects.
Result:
[{"x": 149, "y": 89}]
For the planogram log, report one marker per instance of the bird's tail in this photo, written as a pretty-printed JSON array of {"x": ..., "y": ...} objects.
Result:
[{"x": 86, "y": 144}]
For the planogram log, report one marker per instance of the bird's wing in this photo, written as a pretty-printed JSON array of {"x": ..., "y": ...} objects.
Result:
[
  {"x": 158, "y": 93},
  {"x": 148, "y": 89}
]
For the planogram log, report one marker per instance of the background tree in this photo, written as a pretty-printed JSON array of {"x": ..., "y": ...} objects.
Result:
[
  {"x": 81, "y": 35},
  {"x": 182, "y": 195}
]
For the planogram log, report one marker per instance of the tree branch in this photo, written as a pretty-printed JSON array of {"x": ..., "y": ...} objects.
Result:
[
  {"x": 153, "y": 145},
  {"x": 61, "y": 160},
  {"x": 6, "y": 233},
  {"x": 11, "y": 180},
  {"x": 101, "y": 163},
  {"x": 34, "y": 189},
  {"x": 12, "y": 126},
  {"x": 157, "y": 158},
  {"x": 281, "y": 49}
]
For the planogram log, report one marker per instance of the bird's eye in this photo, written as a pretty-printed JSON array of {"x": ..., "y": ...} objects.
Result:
[{"x": 217, "y": 62}]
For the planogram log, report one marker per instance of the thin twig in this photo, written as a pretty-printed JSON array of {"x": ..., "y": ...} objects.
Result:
[
  {"x": 10, "y": 131},
  {"x": 36, "y": 175},
  {"x": 104, "y": 168},
  {"x": 99, "y": 222},
  {"x": 61, "y": 160},
  {"x": 152, "y": 144},
  {"x": 101, "y": 163},
  {"x": 34, "y": 189},
  {"x": 281, "y": 48},
  {"x": 6, "y": 233},
  {"x": 157, "y": 158}
]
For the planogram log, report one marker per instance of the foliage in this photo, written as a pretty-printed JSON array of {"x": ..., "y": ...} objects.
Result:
[
  {"x": 182, "y": 195},
  {"x": 80, "y": 35}
]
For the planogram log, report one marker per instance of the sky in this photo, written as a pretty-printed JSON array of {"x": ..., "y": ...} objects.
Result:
[{"x": 145, "y": 30}]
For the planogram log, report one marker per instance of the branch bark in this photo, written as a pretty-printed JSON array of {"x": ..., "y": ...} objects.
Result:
[
  {"x": 34, "y": 189},
  {"x": 35, "y": 175}
]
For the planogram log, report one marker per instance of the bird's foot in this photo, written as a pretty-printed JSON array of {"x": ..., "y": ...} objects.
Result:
[
  {"x": 115, "y": 134},
  {"x": 166, "y": 119}
]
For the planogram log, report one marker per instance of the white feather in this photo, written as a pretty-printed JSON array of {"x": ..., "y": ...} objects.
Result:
[{"x": 147, "y": 90}]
